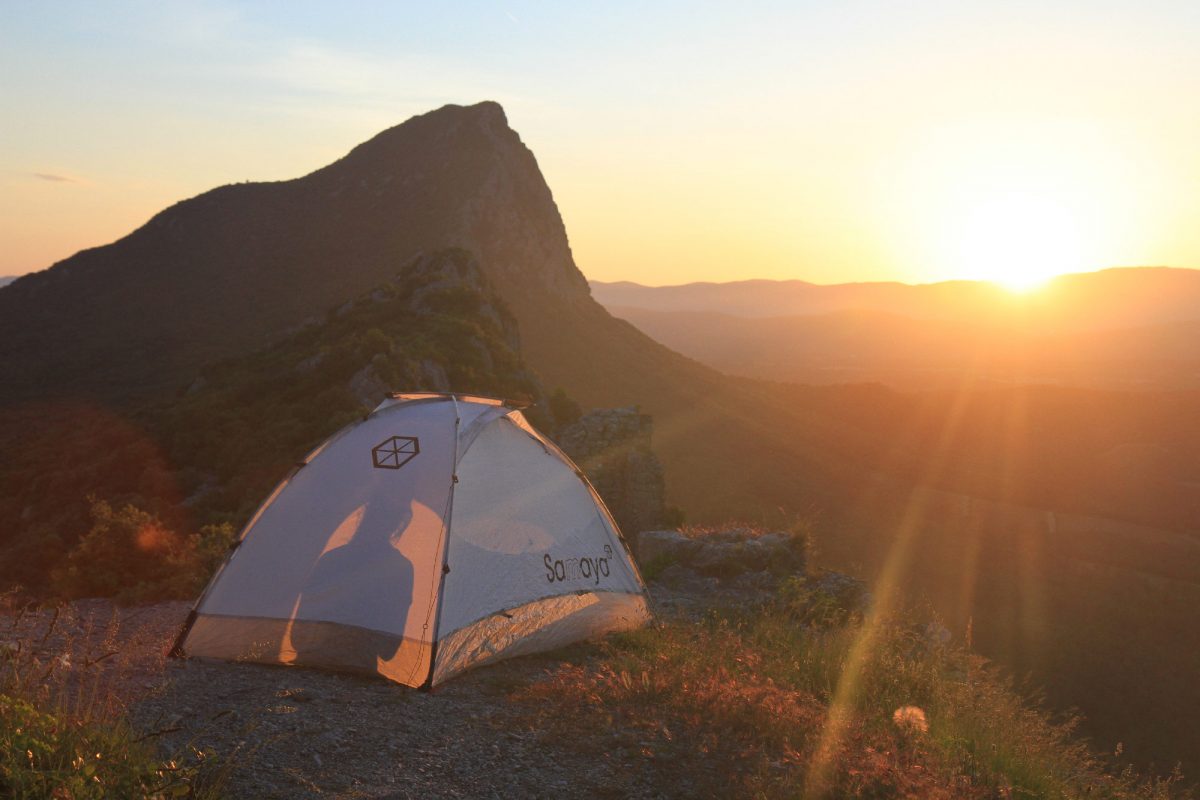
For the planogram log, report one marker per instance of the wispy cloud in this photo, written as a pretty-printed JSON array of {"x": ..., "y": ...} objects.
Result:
[{"x": 55, "y": 178}]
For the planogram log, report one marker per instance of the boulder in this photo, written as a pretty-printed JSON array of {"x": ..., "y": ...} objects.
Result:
[
  {"x": 664, "y": 546},
  {"x": 367, "y": 387},
  {"x": 780, "y": 554}
]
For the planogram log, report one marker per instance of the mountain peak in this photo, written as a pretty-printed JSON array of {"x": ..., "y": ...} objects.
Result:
[
  {"x": 261, "y": 257},
  {"x": 484, "y": 109},
  {"x": 449, "y": 122}
]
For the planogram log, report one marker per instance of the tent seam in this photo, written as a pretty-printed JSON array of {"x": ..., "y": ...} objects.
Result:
[{"x": 444, "y": 551}]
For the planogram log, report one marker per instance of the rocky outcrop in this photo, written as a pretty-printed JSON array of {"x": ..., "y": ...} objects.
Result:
[
  {"x": 726, "y": 553},
  {"x": 435, "y": 289},
  {"x": 367, "y": 387},
  {"x": 612, "y": 446},
  {"x": 694, "y": 570}
]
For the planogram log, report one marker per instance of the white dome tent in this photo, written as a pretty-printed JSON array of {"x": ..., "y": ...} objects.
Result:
[{"x": 440, "y": 533}]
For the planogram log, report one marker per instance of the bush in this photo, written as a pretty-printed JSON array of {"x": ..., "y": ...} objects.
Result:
[
  {"x": 129, "y": 554},
  {"x": 211, "y": 546},
  {"x": 821, "y": 602},
  {"x": 50, "y": 756},
  {"x": 63, "y": 732}
]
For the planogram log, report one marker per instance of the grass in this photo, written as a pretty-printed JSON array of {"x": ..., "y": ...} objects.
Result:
[
  {"x": 64, "y": 733},
  {"x": 798, "y": 700}
]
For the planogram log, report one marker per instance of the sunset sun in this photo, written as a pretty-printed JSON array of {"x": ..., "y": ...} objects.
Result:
[
  {"x": 1016, "y": 202},
  {"x": 1018, "y": 240}
]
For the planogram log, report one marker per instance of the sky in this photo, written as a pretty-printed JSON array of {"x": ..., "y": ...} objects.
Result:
[{"x": 828, "y": 142}]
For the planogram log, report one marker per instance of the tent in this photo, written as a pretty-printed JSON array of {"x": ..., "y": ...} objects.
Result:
[{"x": 440, "y": 533}]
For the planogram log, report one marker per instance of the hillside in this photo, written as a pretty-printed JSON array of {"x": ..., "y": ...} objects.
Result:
[
  {"x": 231, "y": 270},
  {"x": 169, "y": 365}
]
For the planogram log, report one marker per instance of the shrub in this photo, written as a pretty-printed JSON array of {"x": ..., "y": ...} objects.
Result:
[
  {"x": 211, "y": 546},
  {"x": 46, "y": 755},
  {"x": 818, "y": 602},
  {"x": 63, "y": 733},
  {"x": 131, "y": 555}
]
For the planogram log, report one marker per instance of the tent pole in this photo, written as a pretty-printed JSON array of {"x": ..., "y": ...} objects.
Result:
[{"x": 445, "y": 568}]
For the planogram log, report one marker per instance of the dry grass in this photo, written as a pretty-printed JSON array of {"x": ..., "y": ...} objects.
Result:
[
  {"x": 757, "y": 705},
  {"x": 66, "y": 680}
]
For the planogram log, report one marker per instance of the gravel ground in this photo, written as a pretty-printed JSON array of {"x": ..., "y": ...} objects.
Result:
[{"x": 303, "y": 733}]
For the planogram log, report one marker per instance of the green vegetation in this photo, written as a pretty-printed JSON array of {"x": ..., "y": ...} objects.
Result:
[
  {"x": 129, "y": 554},
  {"x": 1072, "y": 611},
  {"x": 806, "y": 698},
  {"x": 190, "y": 468},
  {"x": 63, "y": 732},
  {"x": 54, "y": 756}
]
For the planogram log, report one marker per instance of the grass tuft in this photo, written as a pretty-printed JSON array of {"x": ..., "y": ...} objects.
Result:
[{"x": 63, "y": 729}]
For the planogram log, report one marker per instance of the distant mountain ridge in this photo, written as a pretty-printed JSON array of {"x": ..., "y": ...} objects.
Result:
[
  {"x": 1111, "y": 298},
  {"x": 7, "y": 279},
  {"x": 1132, "y": 328}
]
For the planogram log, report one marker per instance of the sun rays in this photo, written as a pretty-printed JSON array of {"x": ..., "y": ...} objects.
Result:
[{"x": 889, "y": 587}]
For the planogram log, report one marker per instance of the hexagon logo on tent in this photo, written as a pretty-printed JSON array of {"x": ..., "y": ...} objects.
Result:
[{"x": 395, "y": 452}]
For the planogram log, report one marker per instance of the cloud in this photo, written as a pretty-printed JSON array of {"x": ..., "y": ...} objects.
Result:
[{"x": 55, "y": 178}]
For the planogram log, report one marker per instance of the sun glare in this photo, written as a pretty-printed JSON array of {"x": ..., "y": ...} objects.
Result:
[
  {"x": 1016, "y": 202},
  {"x": 1019, "y": 240}
]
